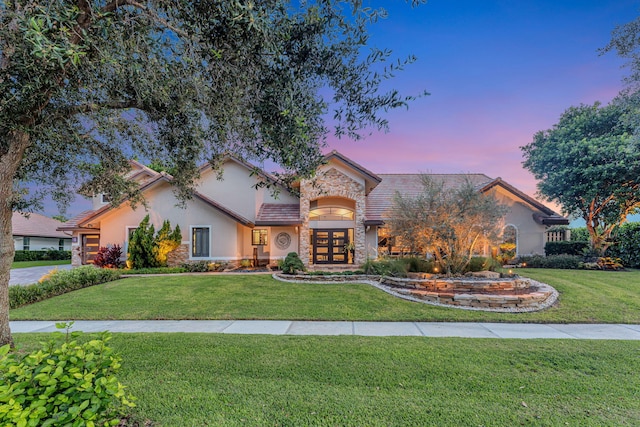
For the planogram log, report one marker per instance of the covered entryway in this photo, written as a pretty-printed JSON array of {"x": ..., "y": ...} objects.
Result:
[{"x": 330, "y": 246}]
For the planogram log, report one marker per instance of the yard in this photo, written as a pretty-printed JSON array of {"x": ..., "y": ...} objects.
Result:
[
  {"x": 231, "y": 380},
  {"x": 585, "y": 297},
  {"x": 26, "y": 264}
]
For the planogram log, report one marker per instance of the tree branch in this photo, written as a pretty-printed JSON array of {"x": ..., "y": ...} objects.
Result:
[{"x": 115, "y": 4}]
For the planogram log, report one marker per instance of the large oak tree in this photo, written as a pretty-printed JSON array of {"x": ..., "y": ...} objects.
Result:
[
  {"x": 589, "y": 163},
  {"x": 85, "y": 84}
]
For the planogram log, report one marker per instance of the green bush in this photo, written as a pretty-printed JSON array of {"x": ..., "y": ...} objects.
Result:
[
  {"x": 49, "y": 254},
  {"x": 386, "y": 267},
  {"x": 627, "y": 245},
  {"x": 418, "y": 265},
  {"x": 141, "y": 253},
  {"x": 196, "y": 267},
  {"x": 157, "y": 270},
  {"x": 292, "y": 263},
  {"x": 60, "y": 282},
  {"x": 479, "y": 263},
  {"x": 567, "y": 248},
  {"x": 62, "y": 384},
  {"x": 552, "y": 261},
  {"x": 580, "y": 234}
]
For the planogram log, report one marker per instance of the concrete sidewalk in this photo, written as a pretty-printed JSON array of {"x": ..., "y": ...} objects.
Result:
[{"x": 286, "y": 327}]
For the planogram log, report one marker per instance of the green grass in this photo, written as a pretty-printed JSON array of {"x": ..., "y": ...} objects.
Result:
[
  {"x": 26, "y": 264},
  {"x": 232, "y": 380},
  {"x": 585, "y": 297}
]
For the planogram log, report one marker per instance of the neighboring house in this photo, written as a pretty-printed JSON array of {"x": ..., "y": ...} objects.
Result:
[
  {"x": 339, "y": 218},
  {"x": 38, "y": 232}
]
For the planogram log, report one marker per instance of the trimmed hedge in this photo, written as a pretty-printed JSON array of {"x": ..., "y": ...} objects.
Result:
[
  {"x": 567, "y": 248},
  {"x": 627, "y": 246},
  {"x": 60, "y": 282},
  {"x": 552, "y": 261},
  {"x": 48, "y": 255}
]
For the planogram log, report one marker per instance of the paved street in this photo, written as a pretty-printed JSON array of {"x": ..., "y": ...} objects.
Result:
[{"x": 26, "y": 276}]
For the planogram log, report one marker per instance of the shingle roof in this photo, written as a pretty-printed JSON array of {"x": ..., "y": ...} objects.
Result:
[
  {"x": 36, "y": 226},
  {"x": 278, "y": 214},
  {"x": 380, "y": 200}
]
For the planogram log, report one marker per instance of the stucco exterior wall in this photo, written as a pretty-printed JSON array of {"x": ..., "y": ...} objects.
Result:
[
  {"x": 530, "y": 235},
  {"x": 161, "y": 206},
  {"x": 236, "y": 190},
  {"x": 371, "y": 243}
]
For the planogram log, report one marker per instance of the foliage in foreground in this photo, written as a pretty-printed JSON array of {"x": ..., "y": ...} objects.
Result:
[
  {"x": 64, "y": 383},
  {"x": 376, "y": 381},
  {"x": 59, "y": 282}
]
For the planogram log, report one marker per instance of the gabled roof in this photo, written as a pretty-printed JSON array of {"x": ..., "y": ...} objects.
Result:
[
  {"x": 380, "y": 200},
  {"x": 36, "y": 225},
  {"x": 279, "y": 214},
  {"x": 254, "y": 169},
  {"x": 371, "y": 179},
  {"x": 546, "y": 216},
  {"x": 84, "y": 219}
]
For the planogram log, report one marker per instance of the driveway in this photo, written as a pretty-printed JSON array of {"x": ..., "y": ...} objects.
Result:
[{"x": 26, "y": 276}]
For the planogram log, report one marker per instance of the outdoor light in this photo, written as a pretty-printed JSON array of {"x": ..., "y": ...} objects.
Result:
[{"x": 510, "y": 272}]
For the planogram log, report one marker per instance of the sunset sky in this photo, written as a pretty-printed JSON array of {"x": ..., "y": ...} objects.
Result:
[{"x": 498, "y": 71}]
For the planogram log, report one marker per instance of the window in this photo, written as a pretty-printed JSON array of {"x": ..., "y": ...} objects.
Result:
[
  {"x": 105, "y": 198},
  {"x": 331, "y": 214},
  {"x": 61, "y": 244},
  {"x": 259, "y": 237},
  {"x": 200, "y": 242},
  {"x": 26, "y": 243}
]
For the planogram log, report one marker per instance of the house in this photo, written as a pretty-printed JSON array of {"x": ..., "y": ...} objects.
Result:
[
  {"x": 37, "y": 232},
  {"x": 338, "y": 218}
]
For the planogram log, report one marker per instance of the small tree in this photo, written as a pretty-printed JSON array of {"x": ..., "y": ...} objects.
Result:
[
  {"x": 141, "y": 246},
  {"x": 451, "y": 223},
  {"x": 165, "y": 242}
]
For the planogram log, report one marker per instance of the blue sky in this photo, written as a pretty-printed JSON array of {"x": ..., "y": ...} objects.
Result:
[{"x": 497, "y": 71}]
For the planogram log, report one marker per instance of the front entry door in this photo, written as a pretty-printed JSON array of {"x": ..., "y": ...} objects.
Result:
[
  {"x": 90, "y": 246},
  {"x": 328, "y": 246}
]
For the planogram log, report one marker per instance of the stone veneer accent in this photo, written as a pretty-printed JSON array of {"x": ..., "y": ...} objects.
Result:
[
  {"x": 178, "y": 256},
  {"x": 332, "y": 183},
  {"x": 76, "y": 255}
]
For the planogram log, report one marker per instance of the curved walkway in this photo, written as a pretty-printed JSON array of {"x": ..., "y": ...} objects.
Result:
[{"x": 287, "y": 327}]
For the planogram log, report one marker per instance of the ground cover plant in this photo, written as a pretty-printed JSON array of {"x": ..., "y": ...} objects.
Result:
[
  {"x": 585, "y": 297},
  {"x": 231, "y": 380},
  {"x": 27, "y": 264}
]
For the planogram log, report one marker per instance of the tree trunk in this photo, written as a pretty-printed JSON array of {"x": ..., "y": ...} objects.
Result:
[{"x": 17, "y": 142}]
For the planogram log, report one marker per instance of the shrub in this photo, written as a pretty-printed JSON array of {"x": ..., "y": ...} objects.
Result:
[
  {"x": 64, "y": 383},
  {"x": 141, "y": 252},
  {"x": 50, "y": 254},
  {"x": 158, "y": 270},
  {"x": 386, "y": 267},
  {"x": 610, "y": 263},
  {"x": 108, "y": 257},
  {"x": 564, "y": 247},
  {"x": 60, "y": 282},
  {"x": 479, "y": 263},
  {"x": 417, "y": 265},
  {"x": 580, "y": 234},
  {"x": 627, "y": 244},
  {"x": 552, "y": 261},
  {"x": 196, "y": 267},
  {"x": 292, "y": 263},
  {"x": 165, "y": 242}
]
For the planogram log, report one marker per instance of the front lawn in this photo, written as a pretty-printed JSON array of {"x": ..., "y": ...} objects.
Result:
[
  {"x": 585, "y": 297},
  {"x": 231, "y": 380},
  {"x": 27, "y": 264}
]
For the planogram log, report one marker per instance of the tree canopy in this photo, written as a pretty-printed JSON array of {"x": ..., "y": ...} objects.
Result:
[
  {"x": 589, "y": 163},
  {"x": 452, "y": 224},
  {"x": 85, "y": 84}
]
